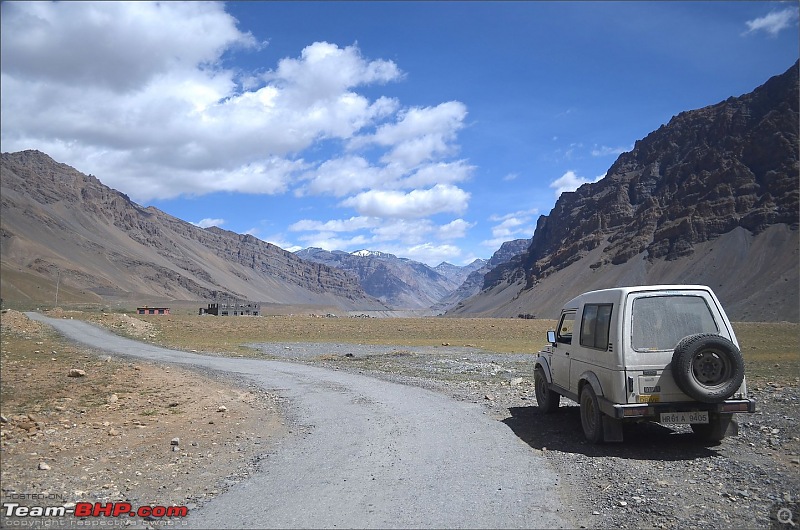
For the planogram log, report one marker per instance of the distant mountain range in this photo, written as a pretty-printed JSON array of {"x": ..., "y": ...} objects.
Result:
[
  {"x": 400, "y": 283},
  {"x": 62, "y": 227},
  {"x": 710, "y": 198}
]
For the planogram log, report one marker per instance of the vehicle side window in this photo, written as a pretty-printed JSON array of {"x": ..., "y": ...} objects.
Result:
[
  {"x": 595, "y": 325},
  {"x": 564, "y": 333}
]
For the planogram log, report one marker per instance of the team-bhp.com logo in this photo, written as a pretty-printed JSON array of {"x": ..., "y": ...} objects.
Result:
[{"x": 94, "y": 509}]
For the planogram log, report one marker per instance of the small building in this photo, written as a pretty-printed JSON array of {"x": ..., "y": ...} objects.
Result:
[
  {"x": 238, "y": 308},
  {"x": 152, "y": 310}
]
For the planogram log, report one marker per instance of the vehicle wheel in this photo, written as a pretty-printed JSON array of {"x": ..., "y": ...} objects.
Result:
[
  {"x": 707, "y": 367},
  {"x": 547, "y": 399},
  {"x": 591, "y": 417}
]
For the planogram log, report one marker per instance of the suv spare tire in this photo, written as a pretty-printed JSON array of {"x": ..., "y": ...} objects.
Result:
[{"x": 707, "y": 367}]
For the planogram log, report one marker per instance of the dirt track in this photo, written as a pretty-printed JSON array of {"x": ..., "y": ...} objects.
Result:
[
  {"x": 368, "y": 453},
  {"x": 659, "y": 478}
]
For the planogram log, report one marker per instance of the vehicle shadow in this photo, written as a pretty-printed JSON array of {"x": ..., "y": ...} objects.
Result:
[{"x": 561, "y": 431}]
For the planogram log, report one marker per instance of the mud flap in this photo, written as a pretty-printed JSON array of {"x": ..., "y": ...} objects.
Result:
[
  {"x": 612, "y": 429},
  {"x": 729, "y": 425}
]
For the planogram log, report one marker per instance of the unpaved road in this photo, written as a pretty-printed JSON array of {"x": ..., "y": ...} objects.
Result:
[{"x": 367, "y": 453}]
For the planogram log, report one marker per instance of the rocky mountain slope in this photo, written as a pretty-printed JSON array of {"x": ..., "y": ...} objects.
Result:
[
  {"x": 458, "y": 274},
  {"x": 711, "y": 197},
  {"x": 399, "y": 282},
  {"x": 472, "y": 285},
  {"x": 62, "y": 227}
]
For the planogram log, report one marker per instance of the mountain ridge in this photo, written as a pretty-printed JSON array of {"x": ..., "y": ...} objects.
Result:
[
  {"x": 59, "y": 221},
  {"x": 726, "y": 174}
]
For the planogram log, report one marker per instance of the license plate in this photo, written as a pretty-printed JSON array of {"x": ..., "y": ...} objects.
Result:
[{"x": 699, "y": 416}]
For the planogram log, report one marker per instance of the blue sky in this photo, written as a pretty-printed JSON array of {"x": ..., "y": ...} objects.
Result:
[{"x": 430, "y": 130}]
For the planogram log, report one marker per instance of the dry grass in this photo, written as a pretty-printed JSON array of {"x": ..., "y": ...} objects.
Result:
[
  {"x": 227, "y": 334},
  {"x": 771, "y": 350}
]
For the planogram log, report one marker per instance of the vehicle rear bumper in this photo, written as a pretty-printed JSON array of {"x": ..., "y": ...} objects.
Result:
[{"x": 644, "y": 410}]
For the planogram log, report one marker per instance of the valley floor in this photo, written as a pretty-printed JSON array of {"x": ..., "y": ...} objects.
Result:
[{"x": 141, "y": 431}]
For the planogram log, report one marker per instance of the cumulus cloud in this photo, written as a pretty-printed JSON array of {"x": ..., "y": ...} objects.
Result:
[
  {"x": 570, "y": 181},
  {"x": 414, "y": 204},
  {"x": 432, "y": 254},
  {"x": 514, "y": 225},
  {"x": 336, "y": 225},
  {"x": 137, "y": 92},
  {"x": 325, "y": 72},
  {"x": 605, "y": 150},
  {"x": 143, "y": 95},
  {"x": 454, "y": 229},
  {"x": 341, "y": 176},
  {"x": 205, "y": 223},
  {"x": 119, "y": 46},
  {"x": 773, "y": 22},
  {"x": 419, "y": 134}
]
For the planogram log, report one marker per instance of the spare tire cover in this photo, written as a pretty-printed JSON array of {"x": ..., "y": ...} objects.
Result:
[{"x": 707, "y": 367}]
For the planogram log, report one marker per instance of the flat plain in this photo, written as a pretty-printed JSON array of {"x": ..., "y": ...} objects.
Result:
[{"x": 771, "y": 349}]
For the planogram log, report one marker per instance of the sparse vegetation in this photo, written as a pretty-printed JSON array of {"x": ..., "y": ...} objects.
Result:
[{"x": 771, "y": 350}]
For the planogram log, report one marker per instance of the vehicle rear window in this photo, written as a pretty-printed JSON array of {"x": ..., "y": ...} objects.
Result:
[{"x": 660, "y": 322}]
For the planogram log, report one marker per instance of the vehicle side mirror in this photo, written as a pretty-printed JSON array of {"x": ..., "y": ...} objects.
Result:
[{"x": 551, "y": 337}]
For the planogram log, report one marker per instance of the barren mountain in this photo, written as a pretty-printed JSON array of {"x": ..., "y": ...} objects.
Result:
[
  {"x": 399, "y": 282},
  {"x": 458, "y": 274},
  {"x": 473, "y": 283},
  {"x": 61, "y": 228},
  {"x": 710, "y": 198}
]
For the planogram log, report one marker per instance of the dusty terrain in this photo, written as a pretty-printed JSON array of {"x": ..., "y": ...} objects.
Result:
[
  {"x": 125, "y": 431},
  {"x": 660, "y": 477}
]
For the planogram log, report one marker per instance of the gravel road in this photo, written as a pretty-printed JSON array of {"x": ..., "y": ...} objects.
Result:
[{"x": 368, "y": 453}]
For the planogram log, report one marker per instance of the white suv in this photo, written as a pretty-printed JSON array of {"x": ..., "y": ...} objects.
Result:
[{"x": 664, "y": 353}]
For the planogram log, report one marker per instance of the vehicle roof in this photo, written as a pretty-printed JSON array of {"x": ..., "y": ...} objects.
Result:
[{"x": 618, "y": 293}]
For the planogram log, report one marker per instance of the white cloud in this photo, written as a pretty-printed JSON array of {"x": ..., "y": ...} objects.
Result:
[
  {"x": 119, "y": 46},
  {"x": 570, "y": 181},
  {"x": 604, "y": 150},
  {"x": 413, "y": 238},
  {"x": 514, "y": 225},
  {"x": 414, "y": 204},
  {"x": 337, "y": 225},
  {"x": 341, "y": 176},
  {"x": 330, "y": 241},
  {"x": 419, "y": 135},
  {"x": 510, "y": 177},
  {"x": 438, "y": 173},
  {"x": 136, "y": 92},
  {"x": 455, "y": 229},
  {"x": 773, "y": 22},
  {"x": 205, "y": 223},
  {"x": 280, "y": 241},
  {"x": 140, "y": 94},
  {"x": 432, "y": 254},
  {"x": 325, "y": 72}
]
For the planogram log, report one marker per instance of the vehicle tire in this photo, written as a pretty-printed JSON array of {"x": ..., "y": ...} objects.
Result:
[
  {"x": 591, "y": 417},
  {"x": 547, "y": 399},
  {"x": 707, "y": 367}
]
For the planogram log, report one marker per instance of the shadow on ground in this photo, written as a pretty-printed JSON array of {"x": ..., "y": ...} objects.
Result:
[{"x": 561, "y": 431}]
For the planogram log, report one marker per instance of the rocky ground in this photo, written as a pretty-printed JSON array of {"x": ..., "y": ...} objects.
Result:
[
  {"x": 659, "y": 477},
  {"x": 78, "y": 425},
  {"x": 142, "y": 433}
]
